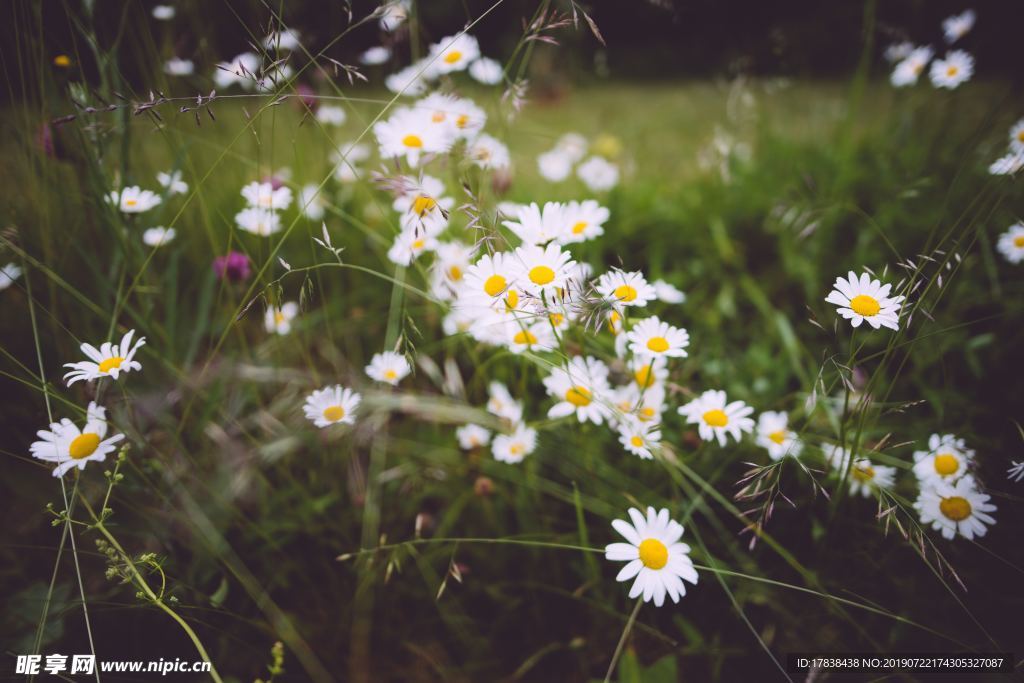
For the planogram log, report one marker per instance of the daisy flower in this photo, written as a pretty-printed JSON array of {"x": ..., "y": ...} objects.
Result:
[
  {"x": 946, "y": 459},
  {"x": 1017, "y": 136},
  {"x": 375, "y": 55},
  {"x": 411, "y": 81},
  {"x": 158, "y": 236},
  {"x": 1016, "y": 471},
  {"x": 864, "y": 477},
  {"x": 279, "y": 320},
  {"x": 163, "y": 12},
  {"x": 332, "y": 405},
  {"x": 264, "y": 196},
  {"x": 173, "y": 182},
  {"x": 668, "y": 293},
  {"x": 836, "y": 456},
  {"x": 534, "y": 225},
  {"x": 897, "y": 52},
  {"x": 110, "y": 360},
  {"x": 472, "y": 436},
  {"x": 451, "y": 262},
  {"x": 583, "y": 221},
  {"x": 774, "y": 435},
  {"x": 581, "y": 388},
  {"x": 487, "y": 71},
  {"x": 598, "y": 174},
  {"x": 956, "y": 26},
  {"x": 331, "y": 115},
  {"x": 462, "y": 117},
  {"x": 910, "y": 69},
  {"x": 955, "y": 508},
  {"x": 420, "y": 195},
  {"x": 652, "y": 338},
  {"x": 554, "y": 165},
  {"x": 241, "y": 69},
  {"x": 1008, "y": 164},
  {"x": 956, "y": 68},
  {"x": 638, "y": 439},
  {"x": 717, "y": 419},
  {"x": 512, "y": 448},
  {"x": 654, "y": 555},
  {"x": 573, "y": 146},
  {"x": 488, "y": 152},
  {"x": 68, "y": 446},
  {"x": 501, "y": 403},
  {"x": 133, "y": 199},
  {"x": 411, "y": 133},
  {"x": 262, "y": 222},
  {"x": 8, "y": 274},
  {"x": 865, "y": 299},
  {"x": 389, "y": 367},
  {"x": 625, "y": 289},
  {"x": 542, "y": 269},
  {"x": 648, "y": 372},
  {"x": 312, "y": 203},
  {"x": 1011, "y": 243},
  {"x": 408, "y": 245},
  {"x": 535, "y": 337},
  {"x": 642, "y": 405},
  {"x": 454, "y": 53}
]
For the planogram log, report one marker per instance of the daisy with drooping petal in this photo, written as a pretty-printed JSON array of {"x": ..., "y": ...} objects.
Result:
[
  {"x": 955, "y": 508},
  {"x": 583, "y": 221},
  {"x": 279, "y": 320},
  {"x": 389, "y": 367},
  {"x": 542, "y": 269},
  {"x": 625, "y": 289},
  {"x": 454, "y": 53},
  {"x": 487, "y": 71},
  {"x": 1011, "y": 243},
  {"x": 947, "y": 459},
  {"x": 865, "y": 477},
  {"x": 262, "y": 222},
  {"x": 774, "y": 435},
  {"x": 668, "y": 293},
  {"x": 639, "y": 439},
  {"x": 173, "y": 182},
  {"x": 581, "y": 388},
  {"x": 472, "y": 436},
  {"x": 134, "y": 199},
  {"x": 158, "y": 236},
  {"x": 8, "y": 274},
  {"x": 717, "y": 419},
  {"x": 332, "y": 405},
  {"x": 488, "y": 152},
  {"x": 910, "y": 69},
  {"x": 865, "y": 299},
  {"x": 512, "y": 448},
  {"x": 110, "y": 360},
  {"x": 949, "y": 73},
  {"x": 501, "y": 403},
  {"x": 411, "y": 133},
  {"x": 68, "y": 446},
  {"x": 264, "y": 196},
  {"x": 598, "y": 174},
  {"x": 956, "y": 26},
  {"x": 652, "y": 338},
  {"x": 654, "y": 555}
]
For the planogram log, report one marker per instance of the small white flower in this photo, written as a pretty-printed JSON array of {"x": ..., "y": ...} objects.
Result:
[
  {"x": 654, "y": 555},
  {"x": 8, "y": 274},
  {"x": 501, "y": 403},
  {"x": 278, "y": 320},
  {"x": 487, "y": 71},
  {"x": 865, "y": 299},
  {"x": 542, "y": 269},
  {"x": 955, "y": 508},
  {"x": 716, "y": 419},
  {"x": 134, "y": 199},
  {"x": 378, "y": 54},
  {"x": 572, "y": 145},
  {"x": 521, "y": 337},
  {"x": 173, "y": 182},
  {"x": 639, "y": 439},
  {"x": 598, "y": 174},
  {"x": 653, "y": 338},
  {"x": 512, "y": 448},
  {"x": 242, "y": 69},
  {"x": 956, "y": 68},
  {"x": 68, "y": 446},
  {"x": 554, "y": 166},
  {"x": 836, "y": 456},
  {"x": 1011, "y": 243},
  {"x": 158, "y": 236},
  {"x": 472, "y": 436},
  {"x": 286, "y": 40},
  {"x": 410, "y": 81},
  {"x": 488, "y": 152},
  {"x": 583, "y": 221},
  {"x": 264, "y": 196},
  {"x": 388, "y": 367},
  {"x": 668, "y": 293},
  {"x": 262, "y": 222},
  {"x": 312, "y": 202},
  {"x": 331, "y": 115},
  {"x": 956, "y": 26},
  {"x": 179, "y": 67},
  {"x": 625, "y": 289},
  {"x": 865, "y": 477},
  {"x": 1017, "y": 136},
  {"x": 409, "y": 244},
  {"x": 897, "y": 52},
  {"x": 163, "y": 12},
  {"x": 910, "y": 69},
  {"x": 1009, "y": 164},
  {"x": 581, "y": 388},
  {"x": 332, "y": 405},
  {"x": 454, "y": 53},
  {"x": 110, "y": 360},
  {"x": 534, "y": 225},
  {"x": 774, "y": 435},
  {"x": 460, "y": 117},
  {"x": 947, "y": 459},
  {"x": 411, "y": 133}
]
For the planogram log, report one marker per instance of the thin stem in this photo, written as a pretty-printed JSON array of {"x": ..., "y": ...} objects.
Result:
[{"x": 622, "y": 639}]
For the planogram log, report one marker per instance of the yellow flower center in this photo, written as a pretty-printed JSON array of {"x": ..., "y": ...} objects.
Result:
[
  {"x": 462, "y": 121},
  {"x": 556, "y": 319},
  {"x": 516, "y": 449},
  {"x": 951, "y": 71},
  {"x": 452, "y": 57},
  {"x": 657, "y": 344},
  {"x": 643, "y": 376},
  {"x": 455, "y": 273},
  {"x": 646, "y": 414},
  {"x": 625, "y": 293},
  {"x": 955, "y": 508},
  {"x": 541, "y": 275},
  {"x": 653, "y": 553},
  {"x": 412, "y": 141},
  {"x": 946, "y": 464},
  {"x": 637, "y": 442},
  {"x": 578, "y": 396},
  {"x": 84, "y": 445},
  {"x": 494, "y": 285},
  {"x": 438, "y": 117},
  {"x": 418, "y": 244},
  {"x": 512, "y": 300},
  {"x": 334, "y": 413},
  {"x": 778, "y": 437},
  {"x": 1019, "y": 242},
  {"x": 864, "y": 474},
  {"x": 390, "y": 374},
  {"x": 579, "y": 227},
  {"x": 525, "y": 337},
  {"x": 862, "y": 304},
  {"x": 111, "y": 363},
  {"x": 278, "y": 317},
  {"x": 130, "y": 202},
  {"x": 423, "y": 205},
  {"x": 62, "y": 61},
  {"x": 716, "y": 418}
]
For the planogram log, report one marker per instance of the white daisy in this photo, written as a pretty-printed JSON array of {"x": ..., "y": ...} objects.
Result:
[
  {"x": 410, "y": 81},
  {"x": 583, "y": 221},
  {"x": 554, "y": 165},
  {"x": 955, "y": 508},
  {"x": 462, "y": 118},
  {"x": 262, "y": 222},
  {"x": 654, "y": 555},
  {"x": 488, "y": 152},
  {"x": 652, "y": 338},
  {"x": 865, "y": 477},
  {"x": 537, "y": 336},
  {"x": 534, "y": 225},
  {"x": 639, "y": 439},
  {"x": 110, "y": 360},
  {"x": 378, "y": 54},
  {"x": 264, "y": 196},
  {"x": 910, "y": 69},
  {"x": 163, "y": 12},
  {"x": 241, "y": 69},
  {"x": 288, "y": 39},
  {"x": 487, "y": 71},
  {"x": 1017, "y": 136},
  {"x": 501, "y": 403},
  {"x": 8, "y": 274},
  {"x": 1011, "y": 243},
  {"x": 865, "y": 299},
  {"x": 956, "y": 26},
  {"x": 472, "y": 436},
  {"x": 454, "y": 53},
  {"x": 409, "y": 244},
  {"x": 451, "y": 262},
  {"x": 134, "y": 199},
  {"x": 775, "y": 436},
  {"x": 598, "y": 174},
  {"x": 512, "y": 448},
  {"x": 836, "y": 456},
  {"x": 581, "y": 388},
  {"x": 641, "y": 405},
  {"x": 411, "y": 133},
  {"x": 668, "y": 293},
  {"x": 68, "y": 446},
  {"x": 278, "y": 320},
  {"x": 1009, "y": 164},
  {"x": 494, "y": 276},
  {"x": 573, "y": 146},
  {"x": 332, "y": 405},
  {"x": 176, "y": 66},
  {"x": 389, "y": 367},
  {"x": 542, "y": 269},
  {"x": 648, "y": 372},
  {"x": 625, "y": 289},
  {"x": 173, "y": 182},
  {"x": 947, "y": 459},
  {"x": 956, "y": 68},
  {"x": 716, "y": 419},
  {"x": 158, "y": 236},
  {"x": 897, "y": 52},
  {"x": 331, "y": 115}
]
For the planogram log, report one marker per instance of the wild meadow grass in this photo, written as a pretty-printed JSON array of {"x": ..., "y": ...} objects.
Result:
[{"x": 380, "y": 550}]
